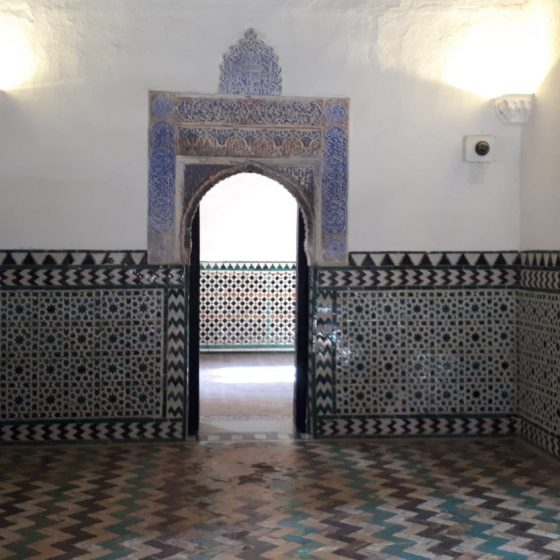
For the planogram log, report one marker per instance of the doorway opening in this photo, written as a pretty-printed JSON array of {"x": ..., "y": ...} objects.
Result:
[{"x": 248, "y": 374}]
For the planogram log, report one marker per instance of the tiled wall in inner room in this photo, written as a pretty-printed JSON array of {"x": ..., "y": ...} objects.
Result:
[
  {"x": 410, "y": 344},
  {"x": 91, "y": 347},
  {"x": 247, "y": 306},
  {"x": 539, "y": 349}
]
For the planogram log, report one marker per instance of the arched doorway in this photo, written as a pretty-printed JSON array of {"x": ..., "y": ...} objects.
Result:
[
  {"x": 302, "y": 142},
  {"x": 192, "y": 230}
]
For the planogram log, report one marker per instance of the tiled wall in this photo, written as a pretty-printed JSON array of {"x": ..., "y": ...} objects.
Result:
[
  {"x": 91, "y": 347},
  {"x": 409, "y": 344},
  {"x": 539, "y": 349},
  {"x": 247, "y": 306}
]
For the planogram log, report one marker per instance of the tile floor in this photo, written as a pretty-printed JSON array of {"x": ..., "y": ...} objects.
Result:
[
  {"x": 246, "y": 395},
  {"x": 364, "y": 499}
]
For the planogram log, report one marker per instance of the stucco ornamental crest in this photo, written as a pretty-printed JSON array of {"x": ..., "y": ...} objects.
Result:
[{"x": 250, "y": 67}]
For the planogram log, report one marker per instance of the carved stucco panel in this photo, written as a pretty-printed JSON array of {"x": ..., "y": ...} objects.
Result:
[
  {"x": 274, "y": 133},
  {"x": 301, "y": 142}
]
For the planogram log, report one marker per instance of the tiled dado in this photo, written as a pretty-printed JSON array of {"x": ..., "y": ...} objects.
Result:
[
  {"x": 418, "y": 348},
  {"x": 247, "y": 306},
  {"x": 91, "y": 347},
  {"x": 539, "y": 349}
]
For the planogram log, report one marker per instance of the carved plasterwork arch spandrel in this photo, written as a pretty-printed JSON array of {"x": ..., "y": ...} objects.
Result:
[{"x": 296, "y": 180}]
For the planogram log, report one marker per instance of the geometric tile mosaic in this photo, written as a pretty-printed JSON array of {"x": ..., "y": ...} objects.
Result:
[
  {"x": 81, "y": 354},
  {"x": 538, "y": 333},
  {"x": 92, "y": 346},
  {"x": 417, "y": 344},
  {"x": 247, "y": 306},
  {"x": 465, "y": 499},
  {"x": 539, "y": 365},
  {"x": 425, "y": 352},
  {"x": 87, "y": 337}
]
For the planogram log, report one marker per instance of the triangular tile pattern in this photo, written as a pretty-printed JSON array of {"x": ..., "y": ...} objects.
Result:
[
  {"x": 72, "y": 258},
  {"x": 541, "y": 259},
  {"x": 434, "y": 259},
  {"x": 248, "y": 266}
]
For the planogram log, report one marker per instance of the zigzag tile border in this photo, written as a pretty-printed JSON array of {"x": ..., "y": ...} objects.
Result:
[
  {"x": 540, "y": 279},
  {"x": 418, "y": 278},
  {"x": 539, "y": 437},
  {"x": 392, "y": 426},
  {"x": 176, "y": 360},
  {"x": 94, "y": 277},
  {"x": 75, "y": 431},
  {"x": 435, "y": 259}
]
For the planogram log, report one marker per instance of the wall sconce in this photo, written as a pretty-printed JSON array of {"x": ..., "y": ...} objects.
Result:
[{"x": 514, "y": 108}]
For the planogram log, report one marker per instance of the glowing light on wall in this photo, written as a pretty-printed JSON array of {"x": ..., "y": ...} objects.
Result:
[
  {"x": 502, "y": 54},
  {"x": 17, "y": 62}
]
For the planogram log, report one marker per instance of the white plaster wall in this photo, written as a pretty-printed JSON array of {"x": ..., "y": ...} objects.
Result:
[
  {"x": 73, "y": 139},
  {"x": 232, "y": 230},
  {"x": 540, "y": 166}
]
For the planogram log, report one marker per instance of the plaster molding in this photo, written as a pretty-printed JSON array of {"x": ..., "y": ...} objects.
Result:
[{"x": 515, "y": 108}]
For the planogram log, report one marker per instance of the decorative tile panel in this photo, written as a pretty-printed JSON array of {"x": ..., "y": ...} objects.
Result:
[
  {"x": 418, "y": 345},
  {"x": 103, "y": 343},
  {"x": 92, "y": 346},
  {"x": 539, "y": 364},
  {"x": 248, "y": 306}
]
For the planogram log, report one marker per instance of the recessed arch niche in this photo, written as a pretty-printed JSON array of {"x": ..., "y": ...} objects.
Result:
[{"x": 197, "y": 140}]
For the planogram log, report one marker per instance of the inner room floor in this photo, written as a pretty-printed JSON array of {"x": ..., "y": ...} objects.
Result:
[
  {"x": 363, "y": 499},
  {"x": 246, "y": 395}
]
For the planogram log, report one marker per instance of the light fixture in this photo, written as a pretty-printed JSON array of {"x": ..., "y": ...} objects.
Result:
[
  {"x": 17, "y": 60},
  {"x": 514, "y": 108}
]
